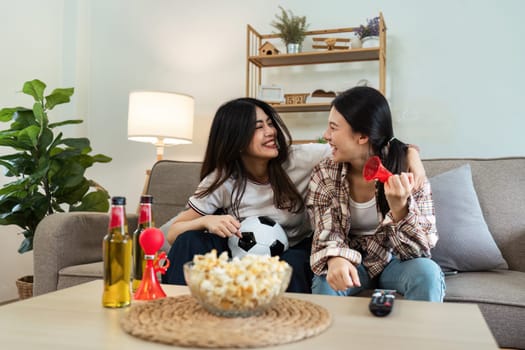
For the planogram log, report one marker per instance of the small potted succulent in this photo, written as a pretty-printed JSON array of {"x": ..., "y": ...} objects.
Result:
[
  {"x": 369, "y": 33},
  {"x": 292, "y": 29}
]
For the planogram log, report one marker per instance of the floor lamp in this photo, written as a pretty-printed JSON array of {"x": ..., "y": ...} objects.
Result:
[{"x": 160, "y": 118}]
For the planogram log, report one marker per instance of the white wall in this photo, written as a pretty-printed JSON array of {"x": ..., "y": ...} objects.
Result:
[
  {"x": 454, "y": 73},
  {"x": 31, "y": 39}
]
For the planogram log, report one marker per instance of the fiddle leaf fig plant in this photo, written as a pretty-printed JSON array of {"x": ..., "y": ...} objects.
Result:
[{"x": 48, "y": 168}]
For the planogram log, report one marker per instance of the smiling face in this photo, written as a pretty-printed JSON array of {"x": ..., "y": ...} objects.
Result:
[
  {"x": 263, "y": 144},
  {"x": 347, "y": 145}
]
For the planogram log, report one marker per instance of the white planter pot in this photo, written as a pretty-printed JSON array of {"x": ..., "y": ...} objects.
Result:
[
  {"x": 370, "y": 41},
  {"x": 356, "y": 43},
  {"x": 293, "y": 48}
]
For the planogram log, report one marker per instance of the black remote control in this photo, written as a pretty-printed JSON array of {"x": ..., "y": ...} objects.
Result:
[{"x": 382, "y": 302}]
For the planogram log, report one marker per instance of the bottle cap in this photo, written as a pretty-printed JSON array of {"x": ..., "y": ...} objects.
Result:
[
  {"x": 118, "y": 200},
  {"x": 146, "y": 198}
]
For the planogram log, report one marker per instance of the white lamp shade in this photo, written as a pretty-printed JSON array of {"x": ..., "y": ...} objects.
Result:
[{"x": 160, "y": 117}]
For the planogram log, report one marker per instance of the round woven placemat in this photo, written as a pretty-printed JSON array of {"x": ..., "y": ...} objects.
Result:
[{"x": 182, "y": 321}]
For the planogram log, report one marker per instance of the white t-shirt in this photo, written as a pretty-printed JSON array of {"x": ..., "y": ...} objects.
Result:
[
  {"x": 258, "y": 198},
  {"x": 365, "y": 217}
]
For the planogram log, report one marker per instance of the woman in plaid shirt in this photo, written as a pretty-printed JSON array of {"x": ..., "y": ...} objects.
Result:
[{"x": 366, "y": 234}]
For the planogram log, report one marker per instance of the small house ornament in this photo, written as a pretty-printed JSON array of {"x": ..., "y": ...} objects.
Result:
[{"x": 267, "y": 49}]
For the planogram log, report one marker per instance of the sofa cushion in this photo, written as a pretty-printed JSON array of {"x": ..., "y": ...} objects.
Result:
[
  {"x": 77, "y": 274},
  {"x": 503, "y": 287},
  {"x": 499, "y": 295},
  {"x": 95, "y": 270},
  {"x": 465, "y": 243}
]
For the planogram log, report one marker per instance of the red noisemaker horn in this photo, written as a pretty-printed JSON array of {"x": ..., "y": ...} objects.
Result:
[
  {"x": 374, "y": 170},
  {"x": 151, "y": 239}
]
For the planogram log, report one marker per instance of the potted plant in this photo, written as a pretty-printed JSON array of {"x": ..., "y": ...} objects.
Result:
[
  {"x": 48, "y": 168},
  {"x": 369, "y": 33},
  {"x": 292, "y": 29}
]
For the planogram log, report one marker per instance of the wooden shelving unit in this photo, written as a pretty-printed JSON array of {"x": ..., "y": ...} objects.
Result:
[
  {"x": 255, "y": 63},
  {"x": 303, "y": 58},
  {"x": 303, "y": 107}
]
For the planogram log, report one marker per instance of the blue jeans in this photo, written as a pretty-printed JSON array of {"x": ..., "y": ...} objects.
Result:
[
  {"x": 415, "y": 279},
  {"x": 190, "y": 243}
]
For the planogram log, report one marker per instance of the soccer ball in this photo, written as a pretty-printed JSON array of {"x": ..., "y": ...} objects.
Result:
[{"x": 260, "y": 236}]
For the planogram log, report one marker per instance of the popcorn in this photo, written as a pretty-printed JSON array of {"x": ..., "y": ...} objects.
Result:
[{"x": 237, "y": 284}]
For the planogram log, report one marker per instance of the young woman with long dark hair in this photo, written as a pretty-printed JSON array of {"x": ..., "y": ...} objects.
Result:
[{"x": 368, "y": 234}]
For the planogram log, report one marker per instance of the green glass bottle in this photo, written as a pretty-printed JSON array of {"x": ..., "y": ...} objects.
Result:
[
  {"x": 117, "y": 245},
  {"x": 145, "y": 221}
]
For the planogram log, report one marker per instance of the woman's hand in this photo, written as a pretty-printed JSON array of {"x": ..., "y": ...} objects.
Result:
[
  {"x": 342, "y": 274},
  {"x": 415, "y": 166},
  {"x": 222, "y": 225},
  {"x": 397, "y": 190}
]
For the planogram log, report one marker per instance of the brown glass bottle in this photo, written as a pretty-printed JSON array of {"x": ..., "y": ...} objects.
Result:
[
  {"x": 145, "y": 221},
  {"x": 117, "y": 257}
]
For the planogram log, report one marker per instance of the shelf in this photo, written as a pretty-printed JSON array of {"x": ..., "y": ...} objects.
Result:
[
  {"x": 298, "y": 142},
  {"x": 257, "y": 63},
  {"x": 302, "y": 107},
  {"x": 314, "y": 57}
]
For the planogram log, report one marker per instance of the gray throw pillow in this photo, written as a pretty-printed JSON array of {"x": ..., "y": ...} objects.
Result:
[{"x": 465, "y": 242}]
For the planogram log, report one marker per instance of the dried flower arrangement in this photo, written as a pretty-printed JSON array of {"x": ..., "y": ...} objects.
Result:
[{"x": 371, "y": 28}]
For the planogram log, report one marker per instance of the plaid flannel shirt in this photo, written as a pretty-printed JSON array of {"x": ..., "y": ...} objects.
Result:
[{"x": 327, "y": 203}]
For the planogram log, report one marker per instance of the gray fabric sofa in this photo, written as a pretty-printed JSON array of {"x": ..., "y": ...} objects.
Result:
[{"x": 67, "y": 247}]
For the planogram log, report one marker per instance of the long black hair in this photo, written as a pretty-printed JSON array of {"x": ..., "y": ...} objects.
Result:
[
  {"x": 367, "y": 112},
  {"x": 231, "y": 132}
]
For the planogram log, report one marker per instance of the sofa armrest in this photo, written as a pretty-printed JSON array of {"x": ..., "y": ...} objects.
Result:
[{"x": 68, "y": 239}]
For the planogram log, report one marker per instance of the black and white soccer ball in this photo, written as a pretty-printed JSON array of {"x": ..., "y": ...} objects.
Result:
[{"x": 261, "y": 235}]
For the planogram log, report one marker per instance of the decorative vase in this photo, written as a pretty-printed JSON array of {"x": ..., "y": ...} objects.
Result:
[
  {"x": 355, "y": 43},
  {"x": 293, "y": 48},
  {"x": 370, "y": 41}
]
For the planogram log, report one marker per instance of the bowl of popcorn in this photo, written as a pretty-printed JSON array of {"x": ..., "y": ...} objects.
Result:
[{"x": 236, "y": 287}]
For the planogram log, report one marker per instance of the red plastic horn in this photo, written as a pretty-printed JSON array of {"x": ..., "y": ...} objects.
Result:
[
  {"x": 374, "y": 170},
  {"x": 151, "y": 239}
]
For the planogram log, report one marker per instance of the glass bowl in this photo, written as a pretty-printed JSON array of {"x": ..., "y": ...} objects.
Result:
[{"x": 239, "y": 287}]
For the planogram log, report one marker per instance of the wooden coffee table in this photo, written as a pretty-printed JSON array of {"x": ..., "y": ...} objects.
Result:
[{"x": 73, "y": 318}]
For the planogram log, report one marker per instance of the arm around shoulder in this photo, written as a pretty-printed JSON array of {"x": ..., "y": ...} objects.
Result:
[{"x": 415, "y": 166}]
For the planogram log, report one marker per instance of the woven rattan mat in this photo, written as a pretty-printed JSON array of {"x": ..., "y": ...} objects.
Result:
[{"x": 182, "y": 321}]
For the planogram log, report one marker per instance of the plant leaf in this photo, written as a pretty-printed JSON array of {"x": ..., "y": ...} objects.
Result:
[
  {"x": 65, "y": 122},
  {"x": 45, "y": 139},
  {"x": 27, "y": 243},
  {"x": 10, "y": 168},
  {"x": 93, "y": 201},
  {"x": 100, "y": 158},
  {"x": 70, "y": 174},
  {"x": 6, "y": 114},
  {"x": 23, "y": 118},
  {"x": 72, "y": 195},
  {"x": 11, "y": 188},
  {"x": 9, "y": 142},
  {"x": 28, "y": 138},
  {"x": 34, "y": 88},
  {"x": 80, "y": 143},
  {"x": 59, "y": 96},
  {"x": 40, "y": 116}
]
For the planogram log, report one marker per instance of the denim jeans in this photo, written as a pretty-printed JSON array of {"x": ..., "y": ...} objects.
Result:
[
  {"x": 190, "y": 243},
  {"x": 415, "y": 279}
]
